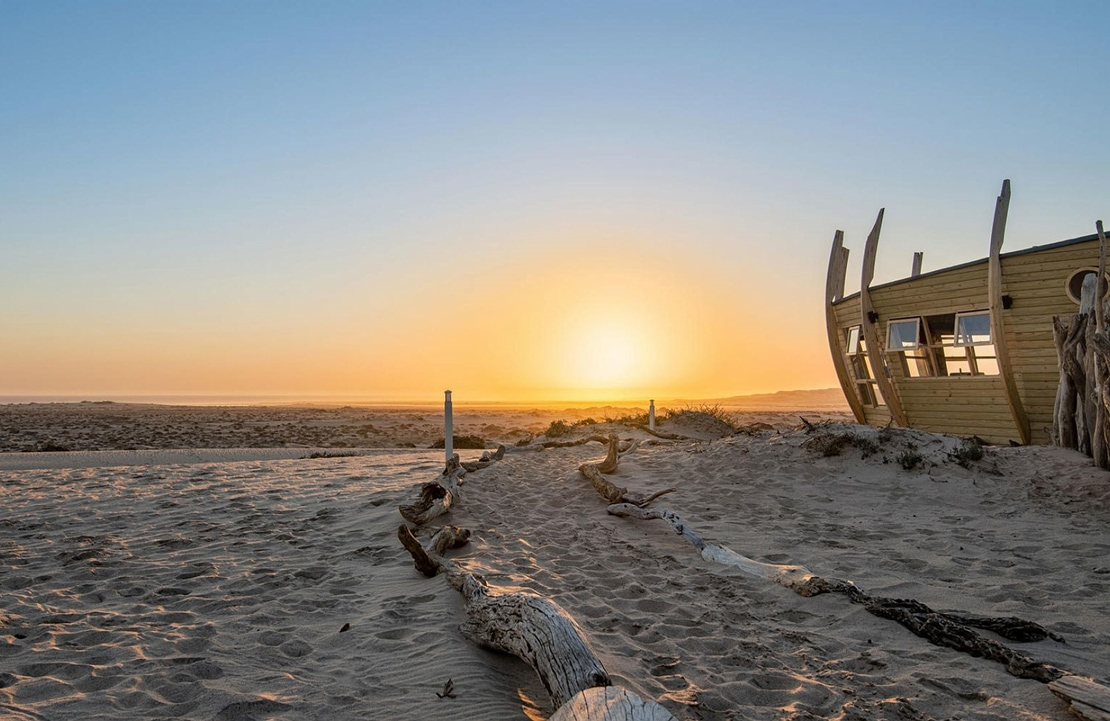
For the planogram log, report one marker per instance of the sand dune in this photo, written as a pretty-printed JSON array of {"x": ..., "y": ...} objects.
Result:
[{"x": 218, "y": 590}]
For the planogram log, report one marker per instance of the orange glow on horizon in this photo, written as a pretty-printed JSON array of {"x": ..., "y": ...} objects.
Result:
[{"x": 574, "y": 323}]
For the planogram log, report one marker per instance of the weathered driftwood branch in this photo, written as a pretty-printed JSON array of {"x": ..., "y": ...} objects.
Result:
[
  {"x": 606, "y": 488},
  {"x": 793, "y": 577},
  {"x": 528, "y": 626},
  {"x": 428, "y": 559},
  {"x": 436, "y": 497},
  {"x": 610, "y": 704},
  {"x": 1088, "y": 699},
  {"x": 661, "y": 434},
  {"x": 485, "y": 461},
  {"x": 1081, "y": 413},
  {"x": 943, "y": 629},
  {"x": 612, "y": 458},
  {"x": 1064, "y": 431},
  {"x": 536, "y": 630}
]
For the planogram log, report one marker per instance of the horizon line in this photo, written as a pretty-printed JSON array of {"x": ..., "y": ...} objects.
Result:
[{"x": 213, "y": 399}]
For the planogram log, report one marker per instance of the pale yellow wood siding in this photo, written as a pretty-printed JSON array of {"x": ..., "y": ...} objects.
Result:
[
  {"x": 965, "y": 406},
  {"x": 1036, "y": 282},
  {"x": 973, "y": 406}
]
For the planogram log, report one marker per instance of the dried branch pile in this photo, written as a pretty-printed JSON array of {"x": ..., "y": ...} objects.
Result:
[{"x": 1081, "y": 416}]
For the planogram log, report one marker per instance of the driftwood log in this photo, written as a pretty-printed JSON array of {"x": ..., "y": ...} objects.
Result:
[
  {"x": 1081, "y": 413},
  {"x": 608, "y": 490},
  {"x": 610, "y": 704},
  {"x": 426, "y": 557},
  {"x": 485, "y": 461},
  {"x": 1088, "y": 699},
  {"x": 943, "y": 629},
  {"x": 436, "y": 497},
  {"x": 538, "y": 631}
]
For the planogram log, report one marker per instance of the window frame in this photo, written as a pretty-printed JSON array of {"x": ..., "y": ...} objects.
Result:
[
  {"x": 857, "y": 347},
  {"x": 916, "y": 338},
  {"x": 958, "y": 343}
]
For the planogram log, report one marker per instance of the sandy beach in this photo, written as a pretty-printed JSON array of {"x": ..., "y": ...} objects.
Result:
[{"x": 256, "y": 583}]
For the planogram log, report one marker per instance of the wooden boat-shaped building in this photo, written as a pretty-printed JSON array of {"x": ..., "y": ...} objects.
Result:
[{"x": 966, "y": 350}]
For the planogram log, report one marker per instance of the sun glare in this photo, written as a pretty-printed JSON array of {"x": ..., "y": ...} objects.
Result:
[
  {"x": 604, "y": 358},
  {"x": 605, "y": 361}
]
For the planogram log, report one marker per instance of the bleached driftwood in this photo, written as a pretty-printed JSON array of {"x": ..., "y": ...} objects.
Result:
[
  {"x": 609, "y": 490},
  {"x": 662, "y": 434},
  {"x": 943, "y": 629},
  {"x": 426, "y": 557},
  {"x": 436, "y": 497},
  {"x": 537, "y": 630},
  {"x": 793, "y": 577},
  {"x": 610, "y": 704},
  {"x": 528, "y": 626},
  {"x": 485, "y": 461},
  {"x": 1064, "y": 433},
  {"x": 1083, "y": 350},
  {"x": 1088, "y": 699}
]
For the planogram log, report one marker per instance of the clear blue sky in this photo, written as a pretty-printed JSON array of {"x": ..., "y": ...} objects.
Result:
[{"x": 208, "y": 177}]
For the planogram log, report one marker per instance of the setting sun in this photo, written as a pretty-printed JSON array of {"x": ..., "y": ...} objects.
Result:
[{"x": 607, "y": 357}]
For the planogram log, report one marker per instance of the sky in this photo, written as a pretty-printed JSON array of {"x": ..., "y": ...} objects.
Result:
[{"x": 516, "y": 201}]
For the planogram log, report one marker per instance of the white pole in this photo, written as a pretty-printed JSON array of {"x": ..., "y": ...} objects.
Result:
[
  {"x": 651, "y": 414},
  {"x": 448, "y": 426}
]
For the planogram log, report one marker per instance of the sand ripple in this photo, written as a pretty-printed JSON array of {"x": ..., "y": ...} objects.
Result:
[{"x": 221, "y": 590}]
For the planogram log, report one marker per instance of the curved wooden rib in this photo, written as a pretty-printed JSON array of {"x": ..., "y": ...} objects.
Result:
[
  {"x": 994, "y": 294},
  {"x": 834, "y": 290},
  {"x": 875, "y": 346}
]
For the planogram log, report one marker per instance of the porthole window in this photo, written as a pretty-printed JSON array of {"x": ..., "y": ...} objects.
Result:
[{"x": 1074, "y": 284}]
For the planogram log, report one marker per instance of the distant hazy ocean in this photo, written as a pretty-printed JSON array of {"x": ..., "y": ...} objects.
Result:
[{"x": 227, "y": 400}]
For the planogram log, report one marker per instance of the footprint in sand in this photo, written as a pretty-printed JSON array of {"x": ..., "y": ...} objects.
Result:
[
  {"x": 205, "y": 568},
  {"x": 272, "y": 638},
  {"x": 250, "y": 710},
  {"x": 651, "y": 605},
  {"x": 394, "y": 634},
  {"x": 59, "y": 669},
  {"x": 96, "y": 682},
  {"x": 296, "y": 648},
  {"x": 195, "y": 668},
  {"x": 192, "y": 645}
]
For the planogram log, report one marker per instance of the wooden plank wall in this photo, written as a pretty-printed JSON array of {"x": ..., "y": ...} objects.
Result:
[
  {"x": 965, "y": 406},
  {"x": 962, "y": 406},
  {"x": 977, "y": 405},
  {"x": 1036, "y": 282}
]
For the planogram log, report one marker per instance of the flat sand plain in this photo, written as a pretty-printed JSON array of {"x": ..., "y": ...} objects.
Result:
[{"x": 224, "y": 585}]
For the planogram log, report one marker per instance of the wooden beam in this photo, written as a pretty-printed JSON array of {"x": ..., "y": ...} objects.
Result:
[
  {"x": 1100, "y": 287},
  {"x": 841, "y": 272},
  {"x": 1089, "y": 700},
  {"x": 998, "y": 335},
  {"x": 834, "y": 290},
  {"x": 875, "y": 347},
  {"x": 915, "y": 270},
  {"x": 1097, "y": 360}
]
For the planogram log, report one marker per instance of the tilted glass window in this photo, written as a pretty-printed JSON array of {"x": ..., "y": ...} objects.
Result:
[
  {"x": 903, "y": 334},
  {"x": 973, "y": 329},
  {"x": 853, "y": 340}
]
